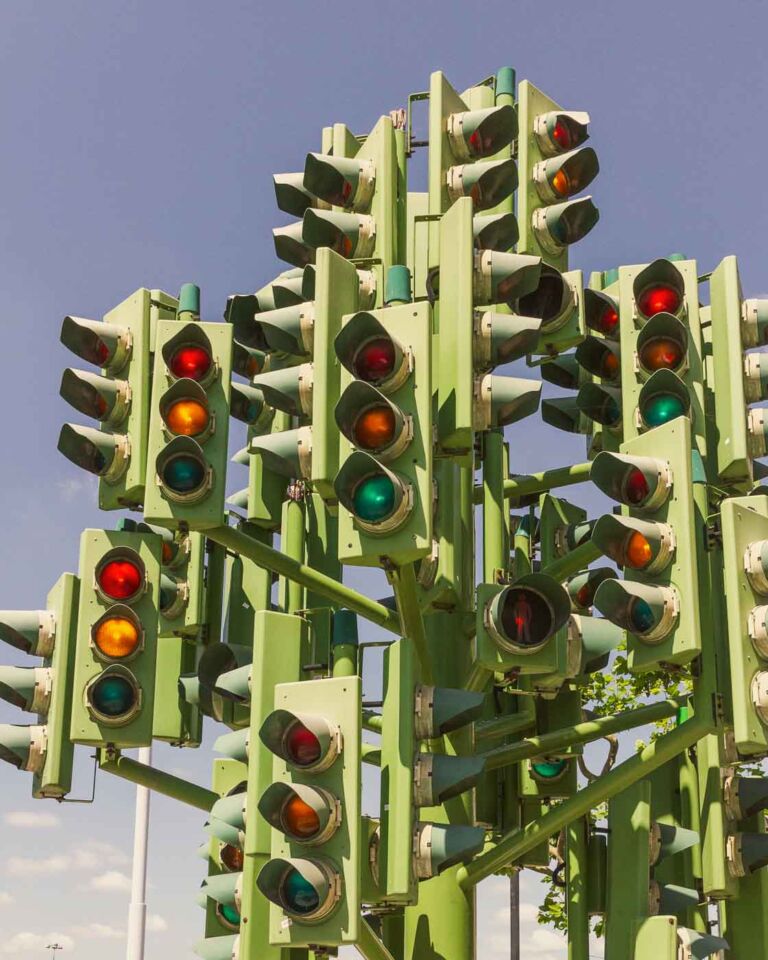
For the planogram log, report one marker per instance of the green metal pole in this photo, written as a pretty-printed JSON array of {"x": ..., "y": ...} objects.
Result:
[
  {"x": 495, "y": 540},
  {"x": 291, "y": 593},
  {"x": 372, "y": 721},
  {"x": 112, "y": 761},
  {"x": 403, "y": 580},
  {"x": 576, "y": 889},
  {"x": 575, "y": 560},
  {"x": 550, "y": 743},
  {"x": 214, "y": 591},
  {"x": 506, "y": 726},
  {"x": 522, "y": 486},
  {"x": 312, "y": 579},
  {"x": 518, "y": 842}
]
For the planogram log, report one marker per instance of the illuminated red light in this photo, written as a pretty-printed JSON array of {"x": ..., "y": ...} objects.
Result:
[
  {"x": 636, "y": 488},
  {"x": 375, "y": 360},
  {"x": 302, "y": 746},
  {"x": 659, "y": 298},
  {"x": 120, "y": 579},
  {"x": 190, "y": 361}
]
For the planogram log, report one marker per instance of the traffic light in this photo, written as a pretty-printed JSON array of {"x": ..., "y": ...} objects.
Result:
[
  {"x": 384, "y": 414},
  {"x": 118, "y": 397},
  {"x": 559, "y": 301},
  {"x": 738, "y": 378},
  {"x": 116, "y": 650},
  {"x": 554, "y": 167},
  {"x": 43, "y": 748},
  {"x": 409, "y": 849},
  {"x": 655, "y": 542},
  {"x": 477, "y": 332},
  {"x": 221, "y": 890},
  {"x": 517, "y": 624},
  {"x": 661, "y": 347},
  {"x": 364, "y": 188},
  {"x": 744, "y": 525},
  {"x": 313, "y": 805},
  {"x": 189, "y": 419},
  {"x": 465, "y": 142}
]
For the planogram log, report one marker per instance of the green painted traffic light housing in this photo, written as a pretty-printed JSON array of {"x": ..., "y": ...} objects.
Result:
[
  {"x": 477, "y": 134},
  {"x": 487, "y": 182},
  {"x": 341, "y": 181}
]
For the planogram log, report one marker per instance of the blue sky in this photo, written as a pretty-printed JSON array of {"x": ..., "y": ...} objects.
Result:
[{"x": 139, "y": 141}]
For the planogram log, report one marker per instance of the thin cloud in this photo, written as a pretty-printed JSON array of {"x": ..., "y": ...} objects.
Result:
[
  {"x": 31, "y": 819},
  {"x": 156, "y": 923},
  {"x": 110, "y": 882},
  {"x": 6, "y": 898},
  {"x": 91, "y": 855},
  {"x": 97, "y": 931},
  {"x": 27, "y": 942}
]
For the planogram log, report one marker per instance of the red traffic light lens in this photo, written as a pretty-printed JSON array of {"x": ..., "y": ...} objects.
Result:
[
  {"x": 120, "y": 579},
  {"x": 659, "y": 298},
  {"x": 526, "y": 618},
  {"x": 662, "y": 353},
  {"x": 302, "y": 747},
  {"x": 299, "y": 819},
  {"x": 231, "y": 857},
  {"x": 190, "y": 361},
  {"x": 608, "y": 321},
  {"x": 561, "y": 134},
  {"x": 375, "y": 360},
  {"x": 638, "y": 553},
  {"x": 636, "y": 489},
  {"x": 585, "y": 595},
  {"x": 374, "y": 428}
]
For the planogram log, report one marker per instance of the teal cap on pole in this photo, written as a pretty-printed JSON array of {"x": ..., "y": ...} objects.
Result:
[
  {"x": 189, "y": 299},
  {"x": 505, "y": 82},
  {"x": 676, "y": 257},
  {"x": 609, "y": 277},
  {"x": 344, "y": 628},
  {"x": 398, "y": 285}
]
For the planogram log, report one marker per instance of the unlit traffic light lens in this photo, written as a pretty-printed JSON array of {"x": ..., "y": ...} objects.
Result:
[
  {"x": 120, "y": 579},
  {"x": 117, "y": 637},
  {"x": 636, "y": 489},
  {"x": 375, "y": 360},
  {"x": 641, "y": 618},
  {"x": 299, "y": 819},
  {"x": 638, "y": 552},
  {"x": 302, "y": 747},
  {"x": 183, "y": 474},
  {"x": 609, "y": 366},
  {"x": 113, "y": 696},
  {"x": 299, "y": 894},
  {"x": 662, "y": 408},
  {"x": 374, "y": 428},
  {"x": 659, "y": 298},
  {"x": 190, "y": 361},
  {"x": 662, "y": 353},
  {"x": 187, "y": 418},
  {"x": 374, "y": 498}
]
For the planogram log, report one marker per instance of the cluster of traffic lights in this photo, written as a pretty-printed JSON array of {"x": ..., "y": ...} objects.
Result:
[{"x": 117, "y": 637}]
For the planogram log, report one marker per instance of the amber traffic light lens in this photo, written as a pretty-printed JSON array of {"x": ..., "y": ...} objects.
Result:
[
  {"x": 299, "y": 819},
  {"x": 375, "y": 428},
  {"x": 117, "y": 638},
  {"x": 187, "y": 418},
  {"x": 638, "y": 552}
]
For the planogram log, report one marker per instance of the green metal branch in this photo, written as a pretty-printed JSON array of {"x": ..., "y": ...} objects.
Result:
[
  {"x": 548, "y": 743},
  {"x": 506, "y": 726},
  {"x": 403, "y": 580},
  {"x": 326, "y": 586},
  {"x": 572, "y": 562},
  {"x": 112, "y": 761},
  {"x": 522, "y": 486},
  {"x": 517, "y": 842},
  {"x": 371, "y": 753},
  {"x": 369, "y": 945},
  {"x": 372, "y": 721}
]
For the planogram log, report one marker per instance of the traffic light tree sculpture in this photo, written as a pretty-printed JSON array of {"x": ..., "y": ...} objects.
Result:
[{"x": 369, "y": 376}]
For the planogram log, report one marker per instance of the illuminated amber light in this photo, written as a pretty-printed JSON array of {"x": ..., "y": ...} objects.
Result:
[
  {"x": 187, "y": 418},
  {"x": 561, "y": 184},
  {"x": 639, "y": 553},
  {"x": 117, "y": 637},
  {"x": 375, "y": 428},
  {"x": 299, "y": 818}
]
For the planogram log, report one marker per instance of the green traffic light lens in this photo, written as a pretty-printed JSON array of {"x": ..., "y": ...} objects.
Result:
[
  {"x": 641, "y": 618},
  {"x": 549, "y": 769},
  {"x": 299, "y": 894},
  {"x": 374, "y": 498},
  {"x": 183, "y": 474},
  {"x": 113, "y": 696},
  {"x": 229, "y": 915},
  {"x": 662, "y": 408}
]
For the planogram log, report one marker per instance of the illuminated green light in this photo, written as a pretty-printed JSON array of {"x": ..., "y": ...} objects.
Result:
[
  {"x": 549, "y": 769},
  {"x": 662, "y": 408},
  {"x": 374, "y": 498},
  {"x": 229, "y": 914}
]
